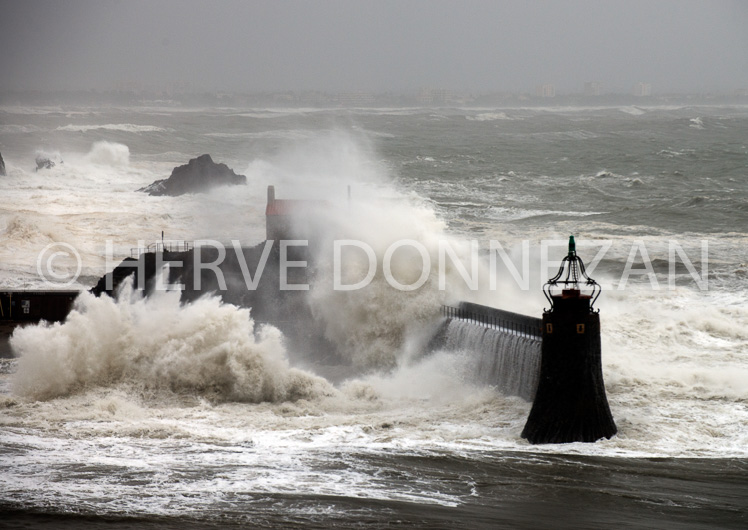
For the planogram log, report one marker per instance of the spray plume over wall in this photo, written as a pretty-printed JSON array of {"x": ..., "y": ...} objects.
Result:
[
  {"x": 388, "y": 242},
  {"x": 155, "y": 344}
]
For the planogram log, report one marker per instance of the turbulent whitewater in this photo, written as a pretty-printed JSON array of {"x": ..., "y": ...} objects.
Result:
[{"x": 156, "y": 408}]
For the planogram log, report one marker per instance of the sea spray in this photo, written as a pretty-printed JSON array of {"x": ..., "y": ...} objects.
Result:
[
  {"x": 369, "y": 325},
  {"x": 666, "y": 341},
  {"x": 372, "y": 325},
  {"x": 322, "y": 164},
  {"x": 109, "y": 154},
  {"x": 159, "y": 345}
]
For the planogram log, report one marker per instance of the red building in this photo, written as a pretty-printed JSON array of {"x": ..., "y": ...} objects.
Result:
[{"x": 291, "y": 218}]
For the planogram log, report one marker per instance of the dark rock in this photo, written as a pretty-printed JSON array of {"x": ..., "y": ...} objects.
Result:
[
  {"x": 198, "y": 175},
  {"x": 2, "y": 166},
  {"x": 156, "y": 188},
  {"x": 43, "y": 162}
]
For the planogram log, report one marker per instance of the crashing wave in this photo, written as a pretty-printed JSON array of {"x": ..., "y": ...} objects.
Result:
[{"x": 158, "y": 345}]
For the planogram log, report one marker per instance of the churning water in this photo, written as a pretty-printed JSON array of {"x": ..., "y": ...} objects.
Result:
[{"x": 146, "y": 411}]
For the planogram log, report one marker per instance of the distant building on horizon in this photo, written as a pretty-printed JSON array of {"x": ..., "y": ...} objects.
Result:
[
  {"x": 547, "y": 90},
  {"x": 593, "y": 88},
  {"x": 642, "y": 89}
]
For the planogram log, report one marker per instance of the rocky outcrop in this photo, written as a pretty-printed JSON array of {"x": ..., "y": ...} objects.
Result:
[
  {"x": 2, "y": 166},
  {"x": 198, "y": 175},
  {"x": 43, "y": 162}
]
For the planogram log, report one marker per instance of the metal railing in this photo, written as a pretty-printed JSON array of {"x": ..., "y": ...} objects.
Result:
[
  {"x": 165, "y": 246},
  {"x": 503, "y": 321}
]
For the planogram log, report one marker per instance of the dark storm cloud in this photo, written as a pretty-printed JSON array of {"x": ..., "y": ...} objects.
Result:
[{"x": 376, "y": 45}]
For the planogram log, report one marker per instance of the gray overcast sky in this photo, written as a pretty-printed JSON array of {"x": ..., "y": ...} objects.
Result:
[{"x": 401, "y": 45}]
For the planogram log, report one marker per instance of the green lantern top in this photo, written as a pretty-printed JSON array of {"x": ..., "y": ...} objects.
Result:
[{"x": 570, "y": 274}]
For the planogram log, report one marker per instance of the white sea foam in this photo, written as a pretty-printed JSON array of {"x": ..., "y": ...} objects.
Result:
[
  {"x": 126, "y": 127},
  {"x": 109, "y": 154},
  {"x": 634, "y": 111},
  {"x": 18, "y": 129},
  {"x": 515, "y": 214},
  {"x": 673, "y": 362},
  {"x": 490, "y": 116},
  {"x": 277, "y": 134},
  {"x": 158, "y": 345},
  {"x": 91, "y": 198},
  {"x": 19, "y": 109}
]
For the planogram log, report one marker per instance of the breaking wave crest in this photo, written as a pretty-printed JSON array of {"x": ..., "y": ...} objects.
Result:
[
  {"x": 157, "y": 345},
  {"x": 109, "y": 154}
]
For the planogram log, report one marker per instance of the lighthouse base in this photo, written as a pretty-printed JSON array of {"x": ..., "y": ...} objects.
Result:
[{"x": 570, "y": 404}]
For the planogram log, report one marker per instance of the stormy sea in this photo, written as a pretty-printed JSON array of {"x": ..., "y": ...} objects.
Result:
[{"x": 152, "y": 412}]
